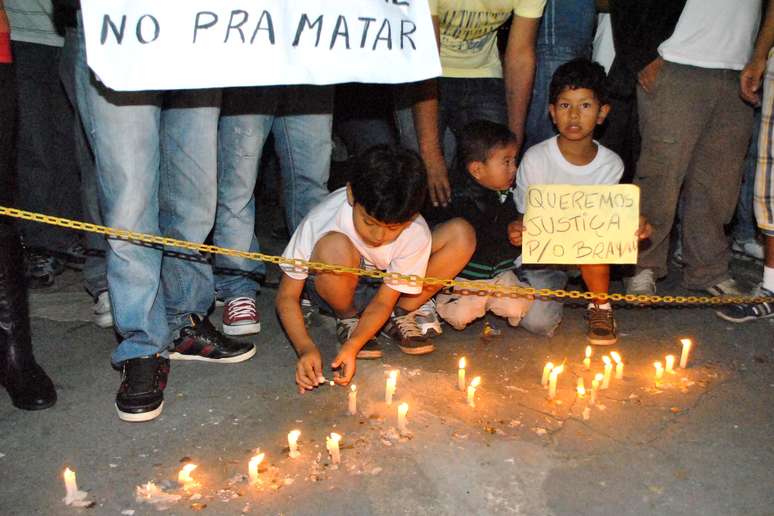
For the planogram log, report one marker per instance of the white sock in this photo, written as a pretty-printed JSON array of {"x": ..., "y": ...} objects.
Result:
[
  {"x": 768, "y": 278},
  {"x": 605, "y": 306}
]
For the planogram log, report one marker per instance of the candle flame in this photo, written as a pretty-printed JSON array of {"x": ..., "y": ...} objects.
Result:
[
  {"x": 658, "y": 365},
  {"x": 616, "y": 357},
  {"x": 599, "y": 377},
  {"x": 69, "y": 474},
  {"x": 588, "y": 351},
  {"x": 686, "y": 342},
  {"x": 252, "y": 467},
  {"x": 606, "y": 360},
  {"x": 475, "y": 382},
  {"x": 335, "y": 437},
  {"x": 581, "y": 391},
  {"x": 549, "y": 366},
  {"x": 294, "y": 434},
  {"x": 670, "y": 360},
  {"x": 353, "y": 388},
  {"x": 403, "y": 408},
  {"x": 463, "y": 363},
  {"x": 393, "y": 375},
  {"x": 184, "y": 477},
  {"x": 556, "y": 371}
]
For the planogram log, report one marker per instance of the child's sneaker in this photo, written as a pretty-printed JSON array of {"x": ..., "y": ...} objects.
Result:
[
  {"x": 741, "y": 313},
  {"x": 103, "y": 316},
  {"x": 426, "y": 318},
  {"x": 240, "y": 317},
  {"x": 602, "y": 327},
  {"x": 344, "y": 329},
  {"x": 751, "y": 248},
  {"x": 403, "y": 327}
]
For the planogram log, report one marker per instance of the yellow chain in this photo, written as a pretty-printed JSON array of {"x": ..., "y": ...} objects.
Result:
[{"x": 481, "y": 288}]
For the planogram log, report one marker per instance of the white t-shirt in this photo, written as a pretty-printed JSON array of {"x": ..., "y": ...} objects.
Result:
[
  {"x": 714, "y": 34},
  {"x": 543, "y": 164},
  {"x": 408, "y": 254}
]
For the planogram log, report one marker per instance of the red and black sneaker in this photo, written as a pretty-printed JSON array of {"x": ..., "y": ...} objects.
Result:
[
  {"x": 201, "y": 341},
  {"x": 240, "y": 317},
  {"x": 141, "y": 394}
]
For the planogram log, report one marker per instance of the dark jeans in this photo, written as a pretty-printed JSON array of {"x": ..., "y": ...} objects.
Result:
[
  {"x": 47, "y": 172},
  {"x": 8, "y": 117}
]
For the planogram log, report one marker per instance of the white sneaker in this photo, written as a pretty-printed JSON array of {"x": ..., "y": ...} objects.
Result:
[
  {"x": 751, "y": 248},
  {"x": 426, "y": 317},
  {"x": 642, "y": 283},
  {"x": 103, "y": 316},
  {"x": 727, "y": 287}
]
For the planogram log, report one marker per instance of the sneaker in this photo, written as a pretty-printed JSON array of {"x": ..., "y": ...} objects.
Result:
[
  {"x": 344, "y": 329},
  {"x": 42, "y": 268},
  {"x": 727, "y": 287},
  {"x": 403, "y": 327},
  {"x": 426, "y": 318},
  {"x": 240, "y": 317},
  {"x": 642, "y": 283},
  {"x": 602, "y": 327},
  {"x": 751, "y": 248},
  {"x": 201, "y": 341},
  {"x": 73, "y": 256},
  {"x": 141, "y": 394},
  {"x": 741, "y": 313},
  {"x": 103, "y": 316}
]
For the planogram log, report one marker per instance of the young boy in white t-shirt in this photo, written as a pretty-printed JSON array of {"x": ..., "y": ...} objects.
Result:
[
  {"x": 373, "y": 222},
  {"x": 577, "y": 104}
]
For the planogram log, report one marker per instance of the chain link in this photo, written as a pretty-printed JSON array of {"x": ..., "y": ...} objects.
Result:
[{"x": 480, "y": 288}]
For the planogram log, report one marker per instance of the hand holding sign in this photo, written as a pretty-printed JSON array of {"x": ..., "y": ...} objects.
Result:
[{"x": 573, "y": 224}]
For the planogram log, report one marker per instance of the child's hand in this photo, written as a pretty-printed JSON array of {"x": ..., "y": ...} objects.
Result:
[
  {"x": 345, "y": 363},
  {"x": 515, "y": 230},
  {"x": 645, "y": 229},
  {"x": 309, "y": 370}
]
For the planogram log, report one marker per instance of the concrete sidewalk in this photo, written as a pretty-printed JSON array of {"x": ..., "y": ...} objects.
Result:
[{"x": 702, "y": 443}]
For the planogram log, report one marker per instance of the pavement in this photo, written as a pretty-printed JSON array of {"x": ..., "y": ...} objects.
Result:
[{"x": 701, "y": 442}]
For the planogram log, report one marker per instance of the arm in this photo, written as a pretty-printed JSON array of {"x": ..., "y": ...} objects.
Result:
[
  {"x": 287, "y": 303},
  {"x": 750, "y": 78},
  {"x": 519, "y": 71},
  {"x": 371, "y": 320},
  {"x": 425, "y": 111}
]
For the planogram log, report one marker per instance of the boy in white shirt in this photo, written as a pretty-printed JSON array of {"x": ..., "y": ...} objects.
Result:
[
  {"x": 578, "y": 103},
  {"x": 373, "y": 222}
]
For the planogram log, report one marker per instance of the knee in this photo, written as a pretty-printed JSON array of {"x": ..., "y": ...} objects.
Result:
[
  {"x": 542, "y": 319},
  {"x": 336, "y": 249},
  {"x": 456, "y": 234}
]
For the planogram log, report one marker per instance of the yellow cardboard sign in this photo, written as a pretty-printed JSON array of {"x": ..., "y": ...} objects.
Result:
[{"x": 574, "y": 224}]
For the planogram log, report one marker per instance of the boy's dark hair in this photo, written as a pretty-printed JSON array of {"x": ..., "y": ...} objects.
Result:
[
  {"x": 579, "y": 73},
  {"x": 479, "y": 138},
  {"x": 390, "y": 182}
]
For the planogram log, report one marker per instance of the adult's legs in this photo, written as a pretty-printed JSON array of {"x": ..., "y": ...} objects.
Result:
[
  {"x": 187, "y": 198},
  {"x": 744, "y": 227},
  {"x": 712, "y": 181}
]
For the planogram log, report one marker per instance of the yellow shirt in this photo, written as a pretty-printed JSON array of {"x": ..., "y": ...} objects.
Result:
[{"x": 469, "y": 33}]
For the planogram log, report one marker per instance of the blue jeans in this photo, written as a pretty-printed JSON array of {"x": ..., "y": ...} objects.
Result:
[
  {"x": 156, "y": 173},
  {"x": 544, "y": 316},
  {"x": 300, "y": 118},
  {"x": 539, "y": 126},
  {"x": 745, "y": 227},
  {"x": 460, "y": 101}
]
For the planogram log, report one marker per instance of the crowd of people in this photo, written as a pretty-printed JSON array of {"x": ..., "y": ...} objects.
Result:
[{"x": 663, "y": 94}]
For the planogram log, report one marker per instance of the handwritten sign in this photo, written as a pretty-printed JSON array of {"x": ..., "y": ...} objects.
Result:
[
  {"x": 570, "y": 224},
  {"x": 180, "y": 44}
]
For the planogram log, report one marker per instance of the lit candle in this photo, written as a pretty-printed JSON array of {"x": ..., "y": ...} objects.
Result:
[
  {"x": 670, "y": 364},
  {"x": 581, "y": 389},
  {"x": 686, "y": 351},
  {"x": 659, "y": 371},
  {"x": 392, "y": 382},
  {"x": 472, "y": 390},
  {"x": 332, "y": 444},
  {"x": 402, "y": 411},
  {"x": 546, "y": 372},
  {"x": 553, "y": 378},
  {"x": 587, "y": 360},
  {"x": 72, "y": 495},
  {"x": 608, "y": 372},
  {"x": 595, "y": 387},
  {"x": 461, "y": 375},
  {"x": 293, "y": 436},
  {"x": 618, "y": 365},
  {"x": 184, "y": 476},
  {"x": 252, "y": 468}
]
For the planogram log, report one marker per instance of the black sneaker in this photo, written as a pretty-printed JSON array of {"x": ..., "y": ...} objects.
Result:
[
  {"x": 602, "y": 327},
  {"x": 749, "y": 312},
  {"x": 403, "y": 327},
  {"x": 141, "y": 394},
  {"x": 201, "y": 341},
  {"x": 41, "y": 269},
  {"x": 73, "y": 256},
  {"x": 344, "y": 329}
]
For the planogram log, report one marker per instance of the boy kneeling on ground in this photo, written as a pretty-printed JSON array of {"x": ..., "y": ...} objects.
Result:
[{"x": 372, "y": 223}]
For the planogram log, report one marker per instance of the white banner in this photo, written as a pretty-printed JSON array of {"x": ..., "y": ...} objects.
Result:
[{"x": 181, "y": 44}]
